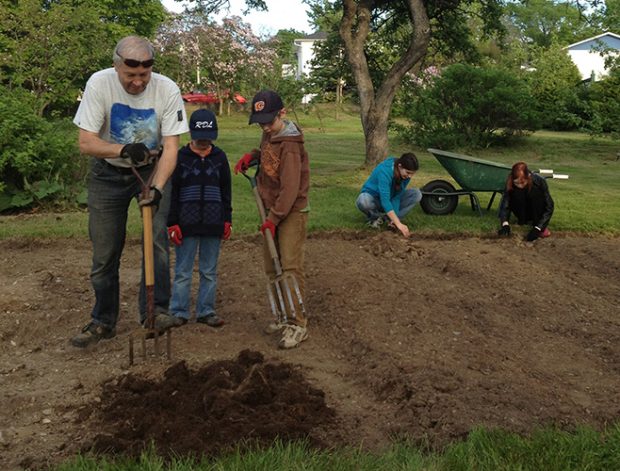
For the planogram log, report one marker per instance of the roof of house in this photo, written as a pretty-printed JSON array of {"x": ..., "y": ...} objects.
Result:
[{"x": 593, "y": 38}]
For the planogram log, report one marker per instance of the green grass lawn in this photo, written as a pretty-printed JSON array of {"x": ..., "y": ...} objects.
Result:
[
  {"x": 586, "y": 203},
  {"x": 543, "y": 450}
]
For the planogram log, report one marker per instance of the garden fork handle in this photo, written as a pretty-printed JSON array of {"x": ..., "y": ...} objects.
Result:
[
  {"x": 147, "y": 242},
  {"x": 263, "y": 217}
]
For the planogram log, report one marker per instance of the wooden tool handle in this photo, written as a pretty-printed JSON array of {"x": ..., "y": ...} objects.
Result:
[
  {"x": 149, "y": 267},
  {"x": 268, "y": 237}
]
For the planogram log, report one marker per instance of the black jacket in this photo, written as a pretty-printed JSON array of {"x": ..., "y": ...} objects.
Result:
[
  {"x": 539, "y": 197},
  {"x": 201, "y": 193}
]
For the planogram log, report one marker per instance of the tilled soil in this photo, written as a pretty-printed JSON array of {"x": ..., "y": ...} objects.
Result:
[{"x": 422, "y": 338}]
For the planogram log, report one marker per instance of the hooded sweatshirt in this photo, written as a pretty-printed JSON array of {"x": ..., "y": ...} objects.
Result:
[
  {"x": 284, "y": 177},
  {"x": 201, "y": 193}
]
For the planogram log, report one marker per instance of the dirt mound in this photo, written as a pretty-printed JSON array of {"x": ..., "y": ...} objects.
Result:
[{"x": 208, "y": 411}]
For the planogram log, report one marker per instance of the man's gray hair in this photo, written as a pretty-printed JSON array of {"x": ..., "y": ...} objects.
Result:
[{"x": 132, "y": 46}]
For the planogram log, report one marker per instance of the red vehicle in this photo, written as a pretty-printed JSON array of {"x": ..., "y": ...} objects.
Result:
[
  {"x": 239, "y": 99},
  {"x": 209, "y": 98}
]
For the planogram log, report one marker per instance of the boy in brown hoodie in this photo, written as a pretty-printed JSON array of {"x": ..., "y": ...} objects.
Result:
[{"x": 283, "y": 180}]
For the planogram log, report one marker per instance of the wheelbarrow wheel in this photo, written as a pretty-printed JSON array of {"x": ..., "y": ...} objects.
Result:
[{"x": 438, "y": 203}]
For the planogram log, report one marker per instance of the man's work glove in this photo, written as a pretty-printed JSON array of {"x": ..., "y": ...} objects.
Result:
[
  {"x": 227, "y": 230},
  {"x": 268, "y": 225},
  {"x": 504, "y": 230},
  {"x": 533, "y": 234},
  {"x": 152, "y": 199},
  {"x": 138, "y": 153},
  {"x": 175, "y": 235},
  {"x": 246, "y": 161}
]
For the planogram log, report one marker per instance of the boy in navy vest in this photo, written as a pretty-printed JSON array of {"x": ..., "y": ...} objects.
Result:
[{"x": 200, "y": 217}]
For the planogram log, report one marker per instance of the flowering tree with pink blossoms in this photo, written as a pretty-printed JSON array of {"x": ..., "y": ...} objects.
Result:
[{"x": 223, "y": 59}]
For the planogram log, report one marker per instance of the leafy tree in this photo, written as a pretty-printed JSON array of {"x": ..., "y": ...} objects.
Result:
[
  {"x": 49, "y": 51},
  {"x": 605, "y": 102},
  {"x": 283, "y": 45},
  {"x": 227, "y": 57},
  {"x": 384, "y": 40},
  {"x": 543, "y": 22},
  {"x": 207, "y": 8},
  {"x": 605, "y": 15},
  {"x": 554, "y": 82},
  {"x": 141, "y": 17},
  {"x": 468, "y": 106},
  {"x": 330, "y": 73},
  {"x": 51, "y": 47}
]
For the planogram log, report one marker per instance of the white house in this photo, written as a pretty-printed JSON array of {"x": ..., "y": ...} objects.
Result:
[
  {"x": 304, "y": 49},
  {"x": 587, "y": 56}
]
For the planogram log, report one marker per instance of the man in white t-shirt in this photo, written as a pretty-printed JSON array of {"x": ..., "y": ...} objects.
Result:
[{"x": 126, "y": 113}]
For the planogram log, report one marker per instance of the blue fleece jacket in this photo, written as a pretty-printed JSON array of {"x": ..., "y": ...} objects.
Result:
[{"x": 380, "y": 184}]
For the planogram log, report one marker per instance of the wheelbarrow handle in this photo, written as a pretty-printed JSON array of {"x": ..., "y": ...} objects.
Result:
[{"x": 273, "y": 251}]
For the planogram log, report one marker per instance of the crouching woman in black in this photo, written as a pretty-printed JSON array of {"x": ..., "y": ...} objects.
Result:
[{"x": 526, "y": 196}]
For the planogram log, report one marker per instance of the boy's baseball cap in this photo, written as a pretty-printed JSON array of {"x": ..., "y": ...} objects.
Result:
[
  {"x": 203, "y": 125},
  {"x": 266, "y": 104}
]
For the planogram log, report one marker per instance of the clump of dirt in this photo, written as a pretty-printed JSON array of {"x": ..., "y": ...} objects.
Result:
[{"x": 206, "y": 412}]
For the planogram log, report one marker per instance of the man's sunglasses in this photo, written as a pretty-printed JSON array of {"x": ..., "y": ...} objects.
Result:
[{"x": 134, "y": 63}]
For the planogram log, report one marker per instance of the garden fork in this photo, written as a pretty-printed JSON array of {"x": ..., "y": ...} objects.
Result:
[{"x": 149, "y": 274}]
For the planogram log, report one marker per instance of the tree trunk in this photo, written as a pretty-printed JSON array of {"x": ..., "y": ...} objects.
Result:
[
  {"x": 376, "y": 104},
  {"x": 376, "y": 135},
  {"x": 220, "y": 105}
]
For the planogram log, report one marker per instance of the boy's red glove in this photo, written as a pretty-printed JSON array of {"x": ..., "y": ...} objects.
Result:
[
  {"x": 175, "y": 235},
  {"x": 246, "y": 161},
  {"x": 227, "y": 230},
  {"x": 268, "y": 225}
]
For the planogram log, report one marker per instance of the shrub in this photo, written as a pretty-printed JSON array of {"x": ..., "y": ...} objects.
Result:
[
  {"x": 554, "y": 82},
  {"x": 469, "y": 106},
  {"x": 39, "y": 159},
  {"x": 605, "y": 102}
]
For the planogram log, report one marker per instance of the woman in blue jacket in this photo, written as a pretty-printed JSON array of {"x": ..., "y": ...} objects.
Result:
[{"x": 384, "y": 197}]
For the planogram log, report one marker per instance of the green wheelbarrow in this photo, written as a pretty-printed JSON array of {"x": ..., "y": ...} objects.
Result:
[{"x": 440, "y": 197}]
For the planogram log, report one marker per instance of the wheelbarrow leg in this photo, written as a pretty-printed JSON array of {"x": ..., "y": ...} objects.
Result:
[
  {"x": 475, "y": 203},
  {"x": 491, "y": 202}
]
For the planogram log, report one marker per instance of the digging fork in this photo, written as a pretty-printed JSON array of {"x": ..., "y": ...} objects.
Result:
[
  {"x": 281, "y": 289},
  {"x": 149, "y": 274}
]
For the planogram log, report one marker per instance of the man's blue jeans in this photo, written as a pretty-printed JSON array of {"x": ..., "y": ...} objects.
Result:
[
  {"x": 110, "y": 192},
  {"x": 370, "y": 205},
  {"x": 208, "y": 249}
]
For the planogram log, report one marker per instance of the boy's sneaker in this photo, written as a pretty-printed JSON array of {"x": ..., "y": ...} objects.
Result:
[
  {"x": 273, "y": 327},
  {"x": 91, "y": 334},
  {"x": 292, "y": 336},
  {"x": 212, "y": 320},
  {"x": 545, "y": 233},
  {"x": 375, "y": 224}
]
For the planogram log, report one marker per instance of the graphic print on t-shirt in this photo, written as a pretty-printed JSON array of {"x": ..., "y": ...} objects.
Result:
[{"x": 129, "y": 125}]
